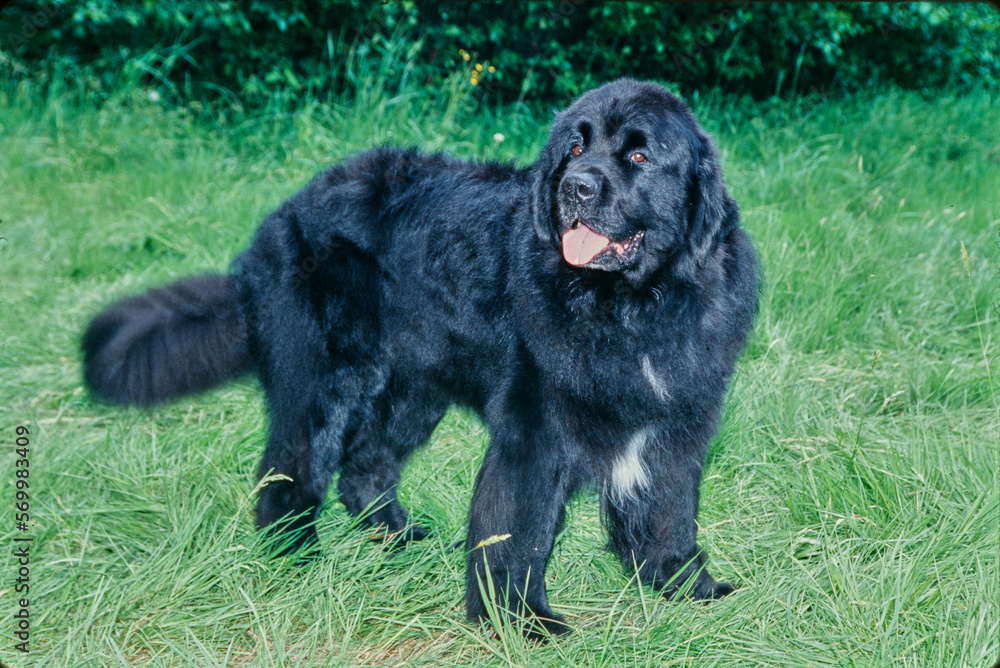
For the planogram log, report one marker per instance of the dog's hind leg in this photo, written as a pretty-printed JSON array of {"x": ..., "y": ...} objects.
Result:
[
  {"x": 300, "y": 470},
  {"x": 314, "y": 411},
  {"x": 402, "y": 421},
  {"x": 308, "y": 430}
]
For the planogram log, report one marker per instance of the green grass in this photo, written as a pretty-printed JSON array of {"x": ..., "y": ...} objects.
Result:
[{"x": 852, "y": 491}]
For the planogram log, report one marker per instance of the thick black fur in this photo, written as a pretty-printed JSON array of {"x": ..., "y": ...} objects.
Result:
[
  {"x": 181, "y": 339},
  {"x": 398, "y": 284}
]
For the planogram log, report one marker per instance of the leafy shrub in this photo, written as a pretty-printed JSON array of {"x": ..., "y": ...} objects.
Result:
[{"x": 254, "y": 50}]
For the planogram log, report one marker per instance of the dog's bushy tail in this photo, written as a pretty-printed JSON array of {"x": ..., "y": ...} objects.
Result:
[{"x": 173, "y": 341}]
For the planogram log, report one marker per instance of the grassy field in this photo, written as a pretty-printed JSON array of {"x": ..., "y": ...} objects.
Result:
[{"x": 852, "y": 491}]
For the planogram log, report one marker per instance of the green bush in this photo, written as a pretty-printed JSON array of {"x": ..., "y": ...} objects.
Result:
[{"x": 254, "y": 50}]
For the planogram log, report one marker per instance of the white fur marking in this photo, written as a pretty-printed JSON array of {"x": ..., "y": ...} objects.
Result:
[
  {"x": 629, "y": 472},
  {"x": 659, "y": 387}
]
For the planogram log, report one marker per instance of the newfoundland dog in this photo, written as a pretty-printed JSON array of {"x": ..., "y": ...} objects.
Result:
[{"x": 590, "y": 308}]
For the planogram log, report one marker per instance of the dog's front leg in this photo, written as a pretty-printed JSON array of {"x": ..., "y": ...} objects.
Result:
[
  {"x": 653, "y": 523},
  {"x": 516, "y": 510}
]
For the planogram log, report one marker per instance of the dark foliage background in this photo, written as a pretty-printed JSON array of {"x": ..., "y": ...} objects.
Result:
[{"x": 254, "y": 50}]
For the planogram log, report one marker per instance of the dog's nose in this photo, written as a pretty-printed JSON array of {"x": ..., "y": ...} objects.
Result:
[{"x": 582, "y": 186}]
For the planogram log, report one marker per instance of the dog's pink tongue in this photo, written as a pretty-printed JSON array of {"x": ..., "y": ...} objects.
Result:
[{"x": 581, "y": 244}]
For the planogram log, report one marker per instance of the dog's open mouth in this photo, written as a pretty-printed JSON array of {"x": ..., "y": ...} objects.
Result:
[{"x": 582, "y": 246}]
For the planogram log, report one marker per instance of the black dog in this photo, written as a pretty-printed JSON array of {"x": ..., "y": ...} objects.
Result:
[{"x": 590, "y": 308}]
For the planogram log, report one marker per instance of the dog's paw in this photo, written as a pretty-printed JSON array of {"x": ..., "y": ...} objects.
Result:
[
  {"x": 536, "y": 623},
  {"x": 397, "y": 540},
  {"x": 719, "y": 590},
  {"x": 543, "y": 629},
  {"x": 534, "y": 627},
  {"x": 414, "y": 532},
  {"x": 301, "y": 543},
  {"x": 704, "y": 588},
  {"x": 711, "y": 592}
]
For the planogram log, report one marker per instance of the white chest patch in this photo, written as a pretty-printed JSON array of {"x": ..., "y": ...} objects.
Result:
[
  {"x": 655, "y": 382},
  {"x": 629, "y": 473}
]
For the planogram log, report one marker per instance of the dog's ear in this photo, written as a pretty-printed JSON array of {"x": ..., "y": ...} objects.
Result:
[
  {"x": 543, "y": 214},
  {"x": 713, "y": 211},
  {"x": 545, "y": 180}
]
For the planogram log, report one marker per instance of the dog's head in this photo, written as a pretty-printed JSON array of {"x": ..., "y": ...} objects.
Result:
[{"x": 629, "y": 182}]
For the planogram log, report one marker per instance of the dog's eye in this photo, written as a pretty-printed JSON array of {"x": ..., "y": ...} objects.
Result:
[
  {"x": 637, "y": 157},
  {"x": 576, "y": 150}
]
